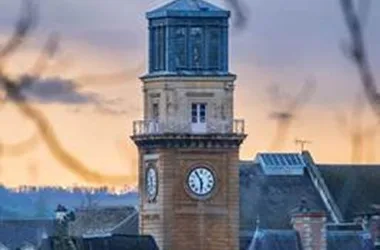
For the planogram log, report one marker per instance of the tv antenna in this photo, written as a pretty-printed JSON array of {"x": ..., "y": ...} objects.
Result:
[{"x": 302, "y": 143}]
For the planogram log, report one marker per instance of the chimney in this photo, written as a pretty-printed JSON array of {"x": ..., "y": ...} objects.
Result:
[
  {"x": 371, "y": 222},
  {"x": 374, "y": 225},
  {"x": 311, "y": 227}
]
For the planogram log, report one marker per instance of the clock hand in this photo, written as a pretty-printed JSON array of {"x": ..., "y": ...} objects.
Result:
[{"x": 200, "y": 180}]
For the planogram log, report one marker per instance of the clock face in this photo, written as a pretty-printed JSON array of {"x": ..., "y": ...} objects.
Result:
[
  {"x": 201, "y": 181},
  {"x": 151, "y": 183}
]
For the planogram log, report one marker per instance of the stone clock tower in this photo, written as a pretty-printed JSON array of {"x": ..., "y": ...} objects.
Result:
[{"x": 188, "y": 140}]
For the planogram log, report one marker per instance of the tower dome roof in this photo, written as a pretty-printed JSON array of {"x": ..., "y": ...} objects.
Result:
[{"x": 188, "y": 8}]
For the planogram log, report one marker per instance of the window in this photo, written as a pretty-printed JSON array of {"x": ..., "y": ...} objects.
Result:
[
  {"x": 198, "y": 113},
  {"x": 194, "y": 113},
  {"x": 159, "y": 47},
  {"x": 180, "y": 48},
  {"x": 202, "y": 113},
  {"x": 154, "y": 48},
  {"x": 213, "y": 48},
  {"x": 196, "y": 47},
  {"x": 155, "y": 111}
]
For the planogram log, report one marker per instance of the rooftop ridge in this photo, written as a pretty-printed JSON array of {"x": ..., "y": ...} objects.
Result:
[
  {"x": 186, "y": 7},
  {"x": 102, "y": 208},
  {"x": 348, "y": 164},
  {"x": 321, "y": 186}
]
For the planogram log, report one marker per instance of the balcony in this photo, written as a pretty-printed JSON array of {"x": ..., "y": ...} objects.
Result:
[{"x": 151, "y": 127}]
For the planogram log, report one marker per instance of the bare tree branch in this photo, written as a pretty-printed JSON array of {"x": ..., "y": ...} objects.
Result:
[
  {"x": 370, "y": 135},
  {"x": 302, "y": 97},
  {"x": 240, "y": 12},
  {"x": 285, "y": 117},
  {"x": 23, "y": 27},
  {"x": 61, "y": 65},
  {"x": 359, "y": 55},
  {"x": 364, "y": 8},
  {"x": 48, "y": 51},
  {"x": 62, "y": 155},
  {"x": 45, "y": 130},
  {"x": 361, "y": 136},
  {"x": 17, "y": 149}
]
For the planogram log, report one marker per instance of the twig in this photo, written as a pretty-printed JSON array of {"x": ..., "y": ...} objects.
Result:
[
  {"x": 62, "y": 155},
  {"x": 46, "y": 132},
  {"x": 48, "y": 51},
  {"x": 240, "y": 13},
  {"x": 359, "y": 55},
  {"x": 17, "y": 149},
  {"x": 23, "y": 27},
  {"x": 284, "y": 118}
]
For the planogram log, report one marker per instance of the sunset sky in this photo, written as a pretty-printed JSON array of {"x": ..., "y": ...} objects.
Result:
[{"x": 284, "y": 44}]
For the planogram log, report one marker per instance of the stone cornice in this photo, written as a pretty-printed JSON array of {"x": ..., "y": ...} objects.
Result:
[
  {"x": 187, "y": 78},
  {"x": 189, "y": 141}
]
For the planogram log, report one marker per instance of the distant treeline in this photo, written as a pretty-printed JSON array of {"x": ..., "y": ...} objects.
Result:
[
  {"x": 72, "y": 189},
  {"x": 32, "y": 202}
]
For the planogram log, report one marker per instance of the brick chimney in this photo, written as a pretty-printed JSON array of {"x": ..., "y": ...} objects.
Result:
[
  {"x": 311, "y": 227},
  {"x": 371, "y": 222},
  {"x": 374, "y": 229}
]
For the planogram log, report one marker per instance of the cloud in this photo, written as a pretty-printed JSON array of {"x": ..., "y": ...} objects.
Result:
[
  {"x": 57, "y": 90},
  {"x": 66, "y": 92}
]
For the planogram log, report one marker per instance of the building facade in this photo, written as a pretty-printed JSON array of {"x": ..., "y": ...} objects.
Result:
[{"x": 189, "y": 139}]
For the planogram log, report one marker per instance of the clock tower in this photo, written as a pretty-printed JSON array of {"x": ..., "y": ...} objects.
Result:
[{"x": 188, "y": 140}]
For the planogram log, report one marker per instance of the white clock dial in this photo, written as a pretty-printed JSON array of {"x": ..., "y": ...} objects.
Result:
[
  {"x": 151, "y": 183},
  {"x": 201, "y": 181}
]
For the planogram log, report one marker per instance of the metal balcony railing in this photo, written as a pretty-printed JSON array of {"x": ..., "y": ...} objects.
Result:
[{"x": 152, "y": 127}]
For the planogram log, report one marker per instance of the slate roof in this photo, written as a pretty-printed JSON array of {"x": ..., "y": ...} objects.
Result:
[
  {"x": 289, "y": 240},
  {"x": 121, "y": 242},
  {"x": 344, "y": 227},
  {"x": 104, "y": 221},
  {"x": 130, "y": 225},
  {"x": 188, "y": 8},
  {"x": 353, "y": 240},
  {"x": 114, "y": 242},
  {"x": 245, "y": 241},
  {"x": 16, "y": 233},
  {"x": 275, "y": 240},
  {"x": 273, "y": 198},
  {"x": 355, "y": 188}
]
